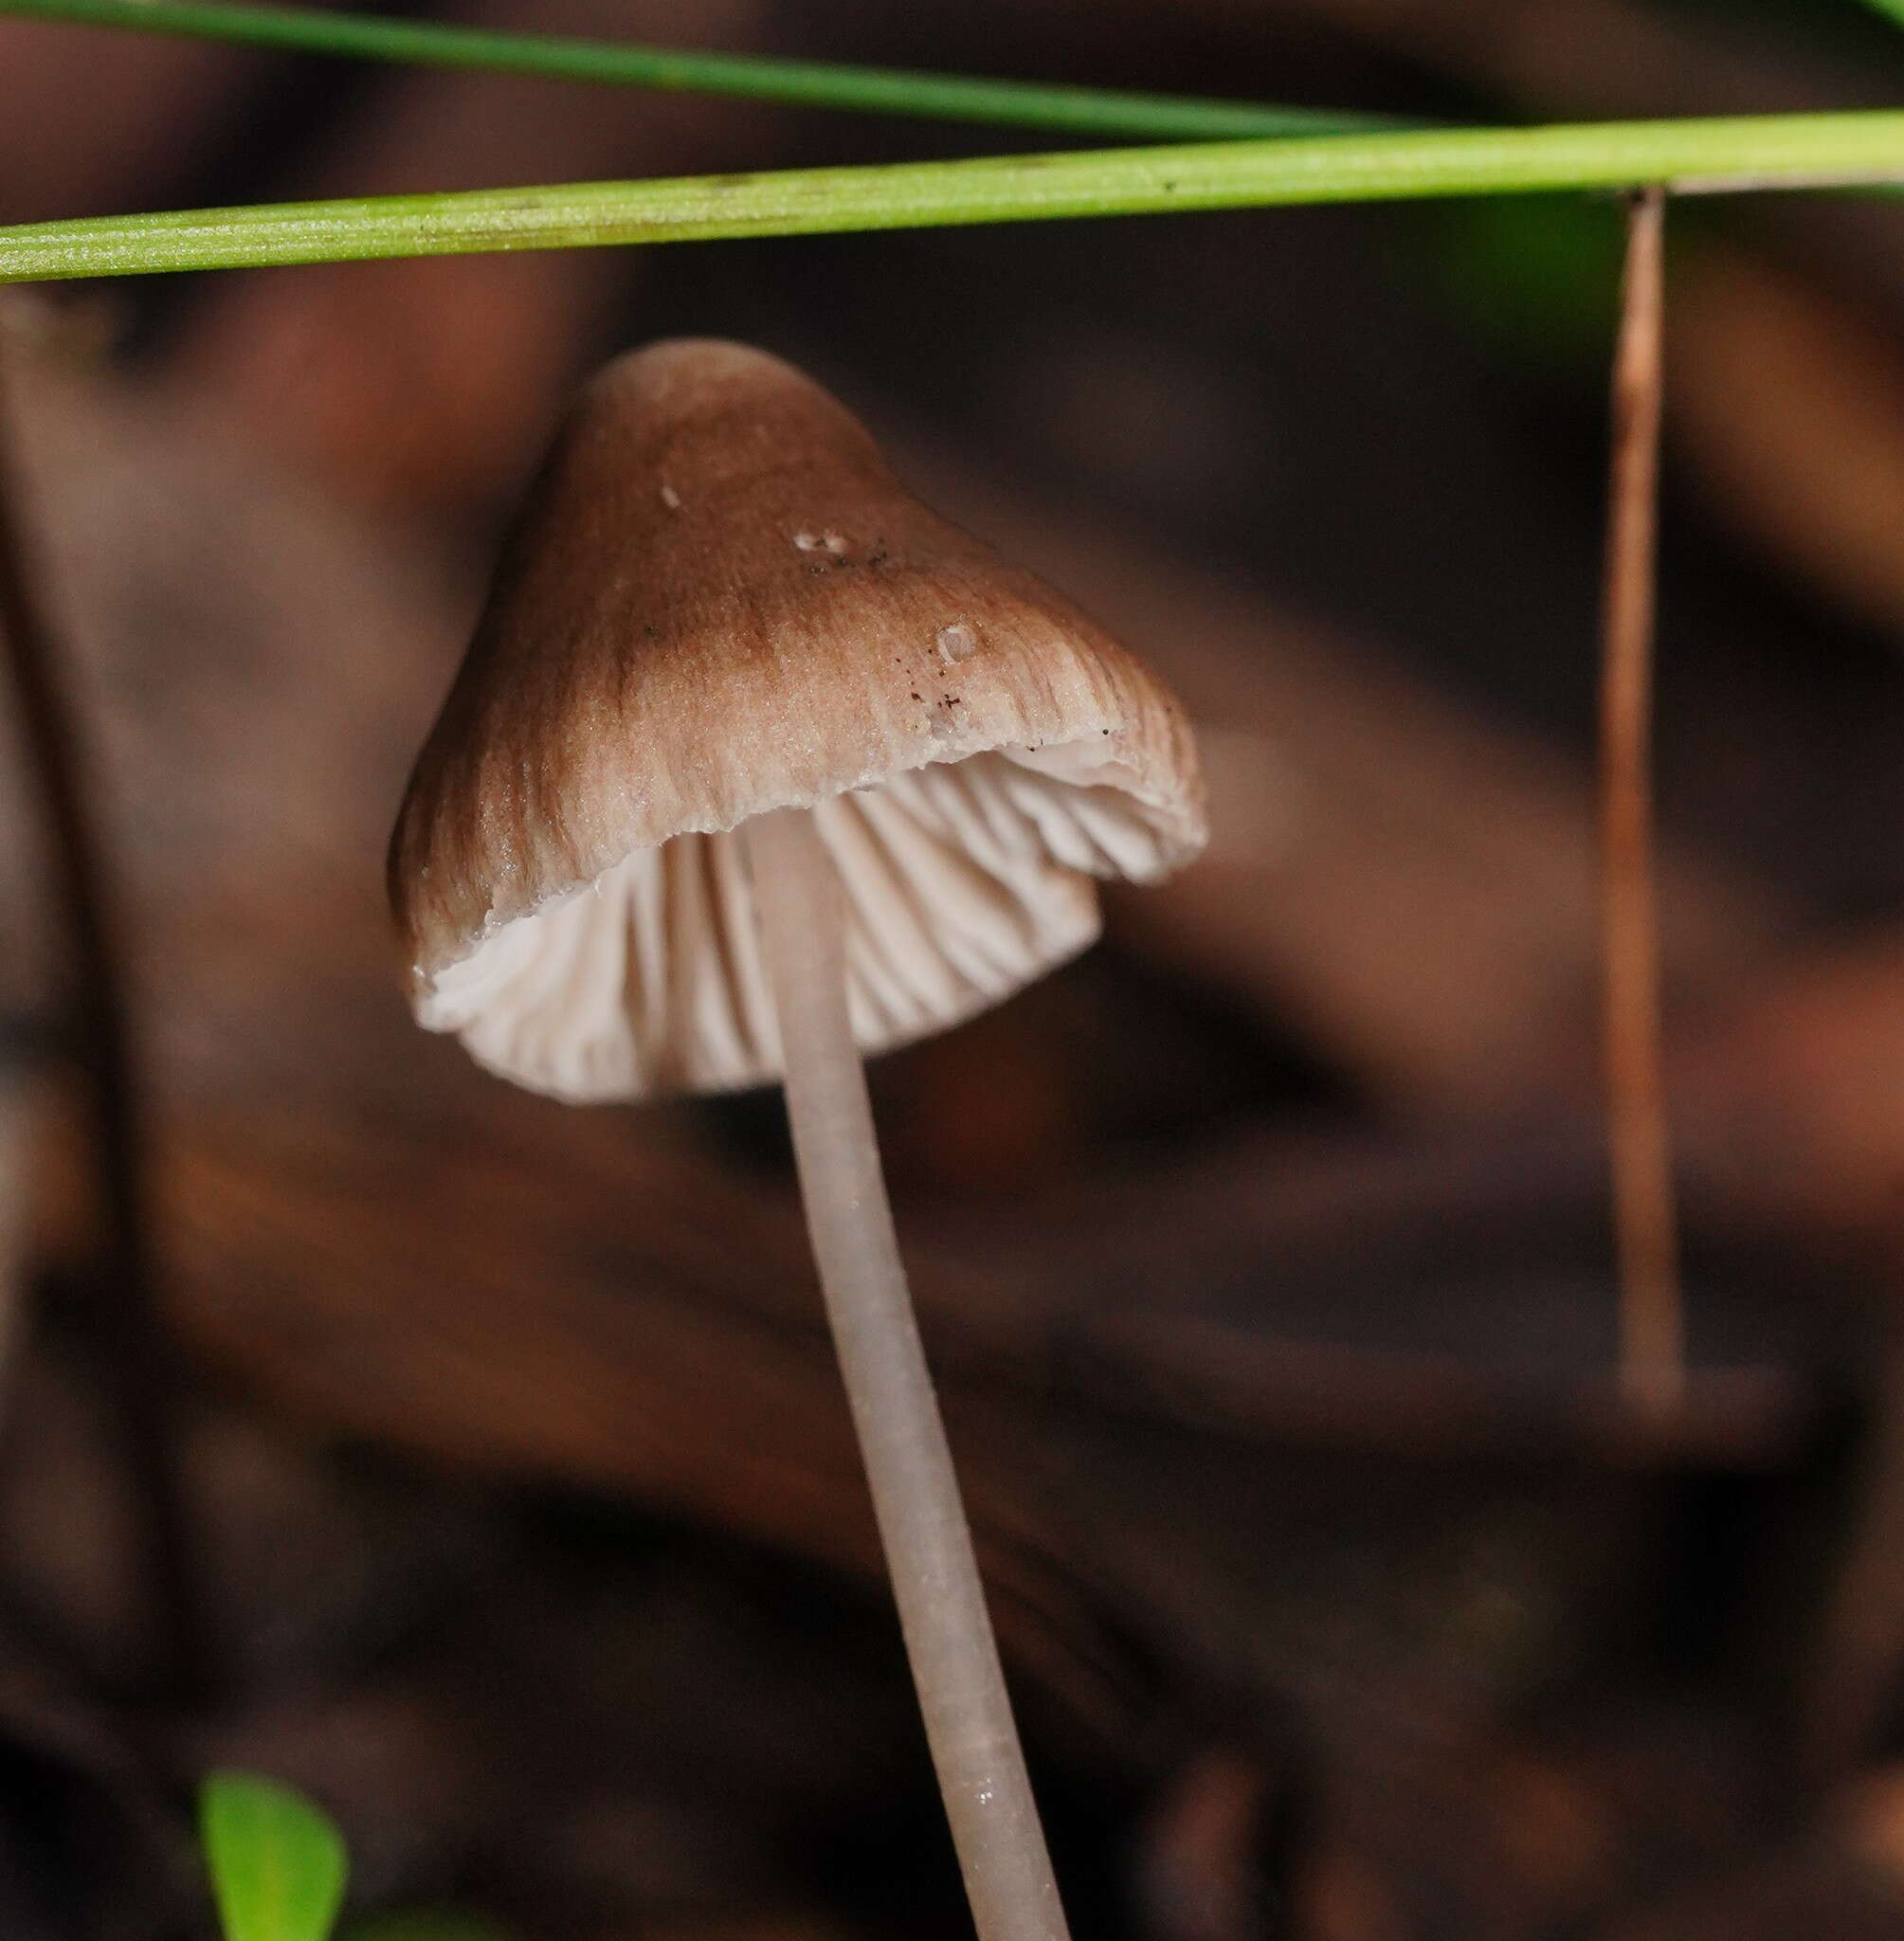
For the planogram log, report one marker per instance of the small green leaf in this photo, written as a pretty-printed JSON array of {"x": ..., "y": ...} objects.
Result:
[{"x": 278, "y": 1865}]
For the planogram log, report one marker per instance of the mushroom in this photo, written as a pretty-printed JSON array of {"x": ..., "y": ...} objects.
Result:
[{"x": 756, "y": 766}]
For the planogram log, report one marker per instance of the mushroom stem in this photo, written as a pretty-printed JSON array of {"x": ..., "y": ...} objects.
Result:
[{"x": 922, "y": 1524}]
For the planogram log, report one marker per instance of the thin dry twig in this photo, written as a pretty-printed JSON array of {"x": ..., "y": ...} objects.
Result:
[
  {"x": 138, "y": 1360},
  {"x": 1652, "y": 1351}
]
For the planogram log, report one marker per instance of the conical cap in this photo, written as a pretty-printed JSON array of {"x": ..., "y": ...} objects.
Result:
[{"x": 719, "y": 600}]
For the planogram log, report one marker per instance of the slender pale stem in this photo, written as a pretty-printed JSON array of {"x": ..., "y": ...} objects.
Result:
[
  {"x": 929, "y": 1552},
  {"x": 1652, "y": 1351}
]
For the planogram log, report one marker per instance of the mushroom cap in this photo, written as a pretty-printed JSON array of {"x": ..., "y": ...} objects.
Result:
[{"x": 719, "y": 600}]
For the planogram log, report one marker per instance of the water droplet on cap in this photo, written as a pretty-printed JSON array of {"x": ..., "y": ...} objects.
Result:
[{"x": 957, "y": 642}]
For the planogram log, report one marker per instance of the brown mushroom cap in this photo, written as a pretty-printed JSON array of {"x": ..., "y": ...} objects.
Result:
[{"x": 719, "y": 600}]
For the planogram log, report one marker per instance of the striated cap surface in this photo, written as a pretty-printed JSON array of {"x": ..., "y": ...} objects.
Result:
[{"x": 719, "y": 600}]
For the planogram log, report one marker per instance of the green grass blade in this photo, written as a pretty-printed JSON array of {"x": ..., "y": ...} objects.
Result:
[
  {"x": 278, "y": 1865},
  {"x": 1075, "y": 110},
  {"x": 1753, "y": 151}
]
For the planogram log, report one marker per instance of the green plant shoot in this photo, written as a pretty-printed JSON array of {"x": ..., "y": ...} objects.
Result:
[{"x": 278, "y": 1865}]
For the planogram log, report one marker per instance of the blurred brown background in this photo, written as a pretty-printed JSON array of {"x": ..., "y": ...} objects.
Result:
[{"x": 1264, "y": 1253}]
